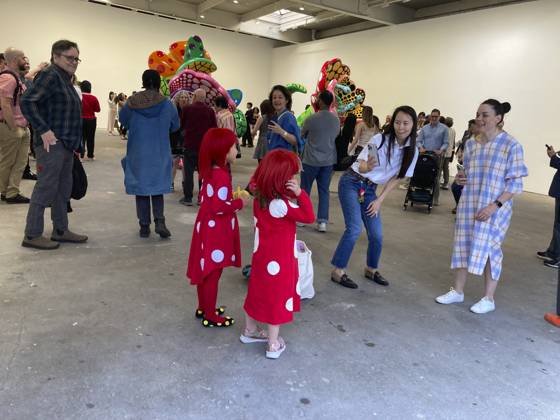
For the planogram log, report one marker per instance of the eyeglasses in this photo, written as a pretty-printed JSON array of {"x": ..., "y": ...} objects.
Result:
[{"x": 71, "y": 58}]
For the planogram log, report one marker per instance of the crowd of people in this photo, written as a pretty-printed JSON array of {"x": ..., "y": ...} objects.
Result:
[{"x": 188, "y": 134}]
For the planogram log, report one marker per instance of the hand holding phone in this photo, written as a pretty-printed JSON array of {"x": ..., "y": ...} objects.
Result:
[{"x": 373, "y": 156}]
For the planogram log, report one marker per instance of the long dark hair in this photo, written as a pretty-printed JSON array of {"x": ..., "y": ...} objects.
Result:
[{"x": 410, "y": 150}]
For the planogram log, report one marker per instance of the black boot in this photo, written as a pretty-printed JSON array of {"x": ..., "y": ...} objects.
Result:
[
  {"x": 144, "y": 231},
  {"x": 161, "y": 229}
]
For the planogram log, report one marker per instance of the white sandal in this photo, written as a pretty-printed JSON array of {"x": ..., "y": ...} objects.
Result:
[
  {"x": 258, "y": 336},
  {"x": 275, "y": 354}
]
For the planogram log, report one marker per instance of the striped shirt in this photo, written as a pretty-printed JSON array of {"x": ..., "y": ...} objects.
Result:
[{"x": 53, "y": 104}]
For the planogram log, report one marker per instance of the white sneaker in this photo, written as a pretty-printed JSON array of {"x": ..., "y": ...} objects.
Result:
[
  {"x": 483, "y": 306},
  {"x": 322, "y": 227},
  {"x": 451, "y": 297}
]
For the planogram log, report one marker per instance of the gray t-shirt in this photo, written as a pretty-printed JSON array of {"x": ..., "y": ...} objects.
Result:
[{"x": 321, "y": 130}]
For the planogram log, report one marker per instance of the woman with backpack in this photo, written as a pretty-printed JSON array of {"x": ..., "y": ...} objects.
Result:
[{"x": 387, "y": 159}]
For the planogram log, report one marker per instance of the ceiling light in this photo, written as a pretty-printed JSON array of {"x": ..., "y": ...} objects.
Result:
[
  {"x": 235, "y": 1},
  {"x": 302, "y": 8},
  {"x": 201, "y": 16}
]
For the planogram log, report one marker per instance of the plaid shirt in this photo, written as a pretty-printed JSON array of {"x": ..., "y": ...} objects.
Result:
[
  {"x": 492, "y": 169},
  {"x": 52, "y": 103}
]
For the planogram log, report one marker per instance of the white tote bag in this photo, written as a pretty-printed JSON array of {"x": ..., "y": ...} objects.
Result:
[{"x": 304, "y": 285}]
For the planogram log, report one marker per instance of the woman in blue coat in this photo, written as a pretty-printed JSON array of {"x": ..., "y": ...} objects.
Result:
[{"x": 149, "y": 117}]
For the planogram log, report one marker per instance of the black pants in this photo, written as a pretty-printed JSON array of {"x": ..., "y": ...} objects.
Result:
[
  {"x": 554, "y": 247},
  {"x": 190, "y": 165},
  {"x": 88, "y": 136},
  {"x": 143, "y": 208},
  {"x": 247, "y": 137}
]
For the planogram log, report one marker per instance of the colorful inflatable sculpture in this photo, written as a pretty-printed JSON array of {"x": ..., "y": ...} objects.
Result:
[
  {"x": 188, "y": 66},
  {"x": 335, "y": 77}
]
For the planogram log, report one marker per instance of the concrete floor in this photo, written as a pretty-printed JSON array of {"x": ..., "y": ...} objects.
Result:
[{"x": 105, "y": 330}]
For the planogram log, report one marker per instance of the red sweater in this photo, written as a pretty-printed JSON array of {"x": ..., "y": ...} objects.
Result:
[
  {"x": 90, "y": 105},
  {"x": 196, "y": 120}
]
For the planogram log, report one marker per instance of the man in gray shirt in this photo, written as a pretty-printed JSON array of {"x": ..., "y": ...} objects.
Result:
[
  {"x": 319, "y": 155},
  {"x": 434, "y": 138}
]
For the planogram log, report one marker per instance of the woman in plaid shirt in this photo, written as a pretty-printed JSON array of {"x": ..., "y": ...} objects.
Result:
[{"x": 493, "y": 173}]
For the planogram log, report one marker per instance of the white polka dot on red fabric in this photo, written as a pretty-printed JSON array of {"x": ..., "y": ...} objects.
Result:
[
  {"x": 278, "y": 208},
  {"x": 293, "y": 205},
  {"x": 209, "y": 190},
  {"x": 217, "y": 256},
  {"x": 201, "y": 199},
  {"x": 228, "y": 203},
  {"x": 298, "y": 288},
  {"x": 223, "y": 193},
  {"x": 211, "y": 223},
  {"x": 255, "y": 220},
  {"x": 220, "y": 213},
  {"x": 273, "y": 268},
  {"x": 233, "y": 258},
  {"x": 295, "y": 248},
  {"x": 290, "y": 305},
  {"x": 256, "y": 244},
  {"x": 202, "y": 264},
  {"x": 233, "y": 223},
  {"x": 198, "y": 227}
]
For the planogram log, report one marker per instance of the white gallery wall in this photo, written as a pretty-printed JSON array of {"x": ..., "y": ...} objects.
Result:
[
  {"x": 454, "y": 63},
  {"x": 115, "y": 45}
]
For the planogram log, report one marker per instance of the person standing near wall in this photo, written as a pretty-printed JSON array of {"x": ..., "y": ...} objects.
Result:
[
  {"x": 14, "y": 134},
  {"x": 319, "y": 155},
  {"x": 551, "y": 256},
  {"x": 90, "y": 106},
  {"x": 196, "y": 120},
  {"x": 149, "y": 117},
  {"x": 493, "y": 174},
  {"x": 448, "y": 153},
  {"x": 434, "y": 138},
  {"x": 53, "y": 107},
  {"x": 111, "y": 118},
  {"x": 249, "y": 117}
]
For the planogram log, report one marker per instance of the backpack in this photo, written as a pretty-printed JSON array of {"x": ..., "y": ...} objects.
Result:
[{"x": 17, "y": 90}]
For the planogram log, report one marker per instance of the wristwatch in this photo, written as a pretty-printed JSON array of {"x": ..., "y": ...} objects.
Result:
[
  {"x": 498, "y": 203},
  {"x": 284, "y": 134}
]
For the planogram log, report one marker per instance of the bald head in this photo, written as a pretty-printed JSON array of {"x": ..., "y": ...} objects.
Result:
[
  {"x": 15, "y": 60},
  {"x": 199, "y": 95}
]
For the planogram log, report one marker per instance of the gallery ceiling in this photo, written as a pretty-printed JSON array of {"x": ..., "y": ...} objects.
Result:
[{"x": 296, "y": 21}]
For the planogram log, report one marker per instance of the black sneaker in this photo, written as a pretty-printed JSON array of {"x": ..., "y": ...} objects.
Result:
[
  {"x": 186, "y": 202},
  {"x": 29, "y": 175},
  {"x": 18, "y": 199},
  {"x": 552, "y": 263},
  {"x": 545, "y": 255}
]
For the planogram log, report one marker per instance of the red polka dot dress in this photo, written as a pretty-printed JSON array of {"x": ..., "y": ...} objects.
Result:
[
  {"x": 273, "y": 293},
  {"x": 215, "y": 239}
]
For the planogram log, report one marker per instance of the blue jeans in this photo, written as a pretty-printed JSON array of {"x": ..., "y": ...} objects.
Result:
[
  {"x": 354, "y": 215},
  {"x": 323, "y": 175}
]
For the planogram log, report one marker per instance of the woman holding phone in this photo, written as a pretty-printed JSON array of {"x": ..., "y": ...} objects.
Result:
[
  {"x": 387, "y": 159},
  {"x": 493, "y": 172}
]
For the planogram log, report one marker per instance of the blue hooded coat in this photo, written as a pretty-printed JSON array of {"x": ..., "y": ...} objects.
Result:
[{"x": 149, "y": 118}]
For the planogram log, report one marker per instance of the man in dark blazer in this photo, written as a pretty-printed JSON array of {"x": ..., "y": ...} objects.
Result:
[{"x": 551, "y": 256}]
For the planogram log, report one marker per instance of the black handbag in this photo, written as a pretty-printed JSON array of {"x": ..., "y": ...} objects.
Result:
[{"x": 79, "y": 179}]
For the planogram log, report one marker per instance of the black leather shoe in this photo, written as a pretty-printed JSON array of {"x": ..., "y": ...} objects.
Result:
[
  {"x": 161, "y": 229},
  {"x": 18, "y": 199},
  {"x": 345, "y": 281},
  {"x": 3, "y": 197},
  {"x": 376, "y": 277},
  {"x": 545, "y": 255},
  {"x": 144, "y": 231}
]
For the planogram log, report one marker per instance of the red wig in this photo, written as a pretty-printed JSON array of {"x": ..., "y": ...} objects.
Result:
[
  {"x": 215, "y": 146},
  {"x": 277, "y": 168}
]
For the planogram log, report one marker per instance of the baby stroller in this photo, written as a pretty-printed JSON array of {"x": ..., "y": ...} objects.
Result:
[{"x": 422, "y": 184}]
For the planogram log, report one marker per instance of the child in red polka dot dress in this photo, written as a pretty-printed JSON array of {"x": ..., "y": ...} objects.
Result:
[
  {"x": 215, "y": 239},
  {"x": 273, "y": 295}
]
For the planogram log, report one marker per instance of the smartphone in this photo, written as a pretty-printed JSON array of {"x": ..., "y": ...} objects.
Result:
[
  {"x": 372, "y": 152},
  {"x": 460, "y": 168}
]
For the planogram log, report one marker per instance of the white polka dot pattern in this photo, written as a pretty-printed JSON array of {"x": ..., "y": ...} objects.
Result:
[
  {"x": 273, "y": 268},
  {"x": 293, "y": 205},
  {"x": 202, "y": 264},
  {"x": 217, "y": 256},
  {"x": 233, "y": 258},
  {"x": 209, "y": 190},
  {"x": 278, "y": 208},
  {"x": 298, "y": 288},
  {"x": 223, "y": 193},
  {"x": 256, "y": 245},
  {"x": 198, "y": 227},
  {"x": 290, "y": 305},
  {"x": 233, "y": 223},
  {"x": 211, "y": 223}
]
